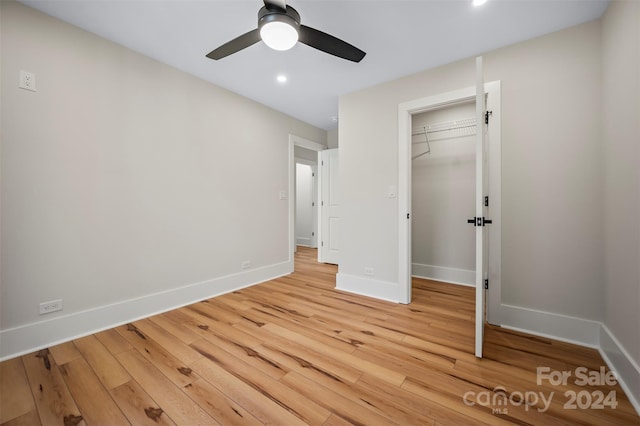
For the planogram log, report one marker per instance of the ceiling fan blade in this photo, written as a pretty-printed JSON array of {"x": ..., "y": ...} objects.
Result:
[
  {"x": 280, "y": 4},
  {"x": 235, "y": 45},
  {"x": 329, "y": 44}
]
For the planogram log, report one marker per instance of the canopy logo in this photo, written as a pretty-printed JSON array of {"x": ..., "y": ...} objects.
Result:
[{"x": 499, "y": 399}]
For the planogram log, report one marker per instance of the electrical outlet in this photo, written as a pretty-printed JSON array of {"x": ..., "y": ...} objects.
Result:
[
  {"x": 246, "y": 264},
  {"x": 27, "y": 81},
  {"x": 52, "y": 306},
  {"x": 368, "y": 270}
]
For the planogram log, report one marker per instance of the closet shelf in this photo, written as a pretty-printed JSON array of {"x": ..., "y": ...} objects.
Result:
[{"x": 441, "y": 131}]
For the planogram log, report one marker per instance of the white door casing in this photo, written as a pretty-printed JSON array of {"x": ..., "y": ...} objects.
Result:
[
  {"x": 314, "y": 146},
  {"x": 491, "y": 185},
  {"x": 329, "y": 206}
]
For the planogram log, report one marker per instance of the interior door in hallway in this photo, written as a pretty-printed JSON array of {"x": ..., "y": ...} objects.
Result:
[{"x": 330, "y": 206}]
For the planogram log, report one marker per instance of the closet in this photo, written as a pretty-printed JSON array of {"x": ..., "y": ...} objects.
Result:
[{"x": 443, "y": 194}]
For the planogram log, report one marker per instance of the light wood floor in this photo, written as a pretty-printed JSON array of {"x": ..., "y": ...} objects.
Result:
[{"x": 296, "y": 351}]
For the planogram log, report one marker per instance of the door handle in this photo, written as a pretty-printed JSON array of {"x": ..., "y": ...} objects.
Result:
[
  {"x": 479, "y": 221},
  {"x": 476, "y": 221}
]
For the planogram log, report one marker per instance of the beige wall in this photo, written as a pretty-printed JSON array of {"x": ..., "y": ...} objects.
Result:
[
  {"x": 551, "y": 170},
  {"x": 621, "y": 157},
  {"x": 443, "y": 197},
  {"x": 332, "y": 138},
  {"x": 123, "y": 177}
]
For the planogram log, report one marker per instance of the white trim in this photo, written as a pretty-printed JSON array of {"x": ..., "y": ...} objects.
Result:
[
  {"x": 305, "y": 161},
  {"x": 622, "y": 364},
  {"x": 417, "y": 106},
  {"x": 565, "y": 328},
  {"x": 35, "y": 336},
  {"x": 579, "y": 331},
  {"x": 384, "y": 290},
  {"x": 303, "y": 241},
  {"x": 444, "y": 274}
]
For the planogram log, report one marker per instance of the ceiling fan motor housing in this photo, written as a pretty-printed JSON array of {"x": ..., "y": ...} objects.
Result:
[{"x": 289, "y": 16}]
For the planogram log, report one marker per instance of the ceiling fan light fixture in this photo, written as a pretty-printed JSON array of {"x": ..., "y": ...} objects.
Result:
[{"x": 279, "y": 35}]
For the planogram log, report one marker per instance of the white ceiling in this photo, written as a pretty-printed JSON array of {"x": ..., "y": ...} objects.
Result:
[{"x": 400, "y": 38}]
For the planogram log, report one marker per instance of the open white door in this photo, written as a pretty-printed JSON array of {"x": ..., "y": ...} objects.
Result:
[
  {"x": 480, "y": 219},
  {"x": 330, "y": 206}
]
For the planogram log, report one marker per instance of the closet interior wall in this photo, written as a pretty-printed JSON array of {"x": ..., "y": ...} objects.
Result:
[{"x": 443, "y": 191}]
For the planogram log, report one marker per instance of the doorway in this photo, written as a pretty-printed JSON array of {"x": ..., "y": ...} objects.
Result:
[
  {"x": 487, "y": 272},
  {"x": 443, "y": 193},
  {"x": 306, "y": 151},
  {"x": 306, "y": 216}
]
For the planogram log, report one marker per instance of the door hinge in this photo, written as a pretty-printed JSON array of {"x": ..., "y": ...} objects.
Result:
[
  {"x": 486, "y": 201},
  {"x": 313, "y": 204},
  {"x": 313, "y": 234},
  {"x": 321, "y": 243},
  {"x": 321, "y": 203},
  {"x": 322, "y": 163},
  {"x": 486, "y": 283},
  {"x": 486, "y": 116}
]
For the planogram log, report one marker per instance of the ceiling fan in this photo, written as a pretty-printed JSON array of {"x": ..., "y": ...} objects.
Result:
[{"x": 280, "y": 28}]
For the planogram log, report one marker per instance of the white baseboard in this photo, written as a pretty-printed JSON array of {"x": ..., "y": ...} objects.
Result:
[
  {"x": 370, "y": 287},
  {"x": 444, "y": 274},
  {"x": 31, "y": 337},
  {"x": 302, "y": 241},
  {"x": 620, "y": 362},
  {"x": 546, "y": 324},
  {"x": 582, "y": 332}
]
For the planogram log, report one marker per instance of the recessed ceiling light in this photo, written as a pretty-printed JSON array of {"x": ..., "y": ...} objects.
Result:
[
  {"x": 282, "y": 78},
  {"x": 477, "y": 3}
]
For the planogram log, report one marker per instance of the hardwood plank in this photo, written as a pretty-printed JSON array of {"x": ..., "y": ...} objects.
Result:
[
  {"x": 169, "y": 397},
  {"x": 411, "y": 403},
  {"x": 299, "y": 357},
  {"x": 476, "y": 412},
  {"x": 328, "y": 338},
  {"x": 138, "y": 406},
  {"x": 113, "y": 341},
  {"x": 30, "y": 418},
  {"x": 390, "y": 376},
  {"x": 168, "y": 341},
  {"x": 345, "y": 408},
  {"x": 92, "y": 399},
  {"x": 52, "y": 397},
  {"x": 15, "y": 394},
  {"x": 263, "y": 407},
  {"x": 64, "y": 353},
  {"x": 165, "y": 322},
  {"x": 218, "y": 405},
  {"x": 248, "y": 355},
  {"x": 303, "y": 408},
  {"x": 174, "y": 369},
  {"x": 104, "y": 364}
]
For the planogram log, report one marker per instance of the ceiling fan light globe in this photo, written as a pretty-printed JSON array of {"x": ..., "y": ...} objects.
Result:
[{"x": 279, "y": 35}]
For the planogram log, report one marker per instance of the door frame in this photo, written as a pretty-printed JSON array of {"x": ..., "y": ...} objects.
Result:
[
  {"x": 294, "y": 141},
  {"x": 417, "y": 106}
]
